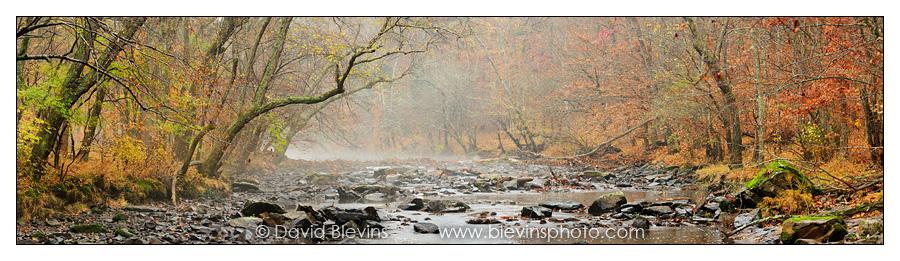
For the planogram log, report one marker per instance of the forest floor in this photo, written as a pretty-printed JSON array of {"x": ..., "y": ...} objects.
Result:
[{"x": 411, "y": 202}]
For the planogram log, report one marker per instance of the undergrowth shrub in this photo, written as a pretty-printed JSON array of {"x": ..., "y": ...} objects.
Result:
[{"x": 788, "y": 202}]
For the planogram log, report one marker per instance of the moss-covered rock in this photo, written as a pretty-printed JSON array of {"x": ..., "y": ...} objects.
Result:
[
  {"x": 122, "y": 232},
  {"x": 39, "y": 235},
  {"x": 778, "y": 176},
  {"x": 93, "y": 228},
  {"x": 607, "y": 203},
  {"x": 820, "y": 229},
  {"x": 118, "y": 217}
]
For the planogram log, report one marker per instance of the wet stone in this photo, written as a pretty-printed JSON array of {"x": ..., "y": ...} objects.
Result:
[
  {"x": 563, "y": 205},
  {"x": 536, "y": 212},
  {"x": 425, "y": 227}
]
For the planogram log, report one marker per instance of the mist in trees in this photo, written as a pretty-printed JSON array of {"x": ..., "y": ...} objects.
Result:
[{"x": 160, "y": 95}]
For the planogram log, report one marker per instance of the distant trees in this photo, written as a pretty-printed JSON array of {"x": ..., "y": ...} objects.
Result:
[{"x": 137, "y": 89}]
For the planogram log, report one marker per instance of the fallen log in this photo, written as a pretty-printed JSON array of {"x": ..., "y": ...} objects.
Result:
[{"x": 607, "y": 142}]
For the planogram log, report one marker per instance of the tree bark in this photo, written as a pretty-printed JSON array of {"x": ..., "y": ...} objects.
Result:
[
  {"x": 75, "y": 85},
  {"x": 187, "y": 160},
  {"x": 211, "y": 165},
  {"x": 216, "y": 48},
  {"x": 732, "y": 119},
  {"x": 90, "y": 131}
]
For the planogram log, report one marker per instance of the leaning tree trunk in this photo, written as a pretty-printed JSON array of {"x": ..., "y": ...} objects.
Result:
[
  {"x": 210, "y": 166},
  {"x": 75, "y": 85},
  {"x": 187, "y": 159}
]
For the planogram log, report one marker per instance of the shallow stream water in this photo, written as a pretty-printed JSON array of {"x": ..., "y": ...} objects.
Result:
[{"x": 530, "y": 231}]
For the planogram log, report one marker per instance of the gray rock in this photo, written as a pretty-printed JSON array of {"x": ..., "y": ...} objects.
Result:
[
  {"x": 657, "y": 211},
  {"x": 136, "y": 241},
  {"x": 347, "y": 194},
  {"x": 746, "y": 218},
  {"x": 684, "y": 211},
  {"x": 245, "y": 187},
  {"x": 562, "y": 205},
  {"x": 702, "y": 219},
  {"x": 342, "y": 216},
  {"x": 871, "y": 226},
  {"x": 377, "y": 196},
  {"x": 511, "y": 185},
  {"x": 628, "y": 210},
  {"x": 245, "y": 221},
  {"x": 52, "y": 222},
  {"x": 435, "y": 206},
  {"x": 536, "y": 212},
  {"x": 414, "y": 204},
  {"x": 426, "y": 227},
  {"x": 255, "y": 208},
  {"x": 640, "y": 222}
]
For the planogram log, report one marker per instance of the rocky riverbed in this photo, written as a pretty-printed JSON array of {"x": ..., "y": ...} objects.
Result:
[{"x": 412, "y": 204}]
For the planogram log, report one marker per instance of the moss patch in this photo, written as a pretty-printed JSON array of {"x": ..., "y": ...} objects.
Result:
[
  {"x": 840, "y": 220},
  {"x": 93, "y": 228},
  {"x": 796, "y": 179},
  {"x": 118, "y": 217},
  {"x": 122, "y": 232}
]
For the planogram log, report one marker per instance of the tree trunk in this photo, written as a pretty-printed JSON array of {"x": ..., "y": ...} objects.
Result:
[
  {"x": 75, "y": 85},
  {"x": 210, "y": 166},
  {"x": 215, "y": 49},
  {"x": 187, "y": 160},
  {"x": 90, "y": 131},
  {"x": 732, "y": 120}
]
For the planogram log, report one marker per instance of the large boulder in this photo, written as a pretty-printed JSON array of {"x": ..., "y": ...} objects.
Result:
[
  {"x": 820, "y": 229},
  {"x": 255, "y": 208},
  {"x": 777, "y": 177},
  {"x": 426, "y": 227},
  {"x": 563, "y": 205},
  {"x": 342, "y": 216},
  {"x": 536, "y": 212},
  {"x": 607, "y": 203}
]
